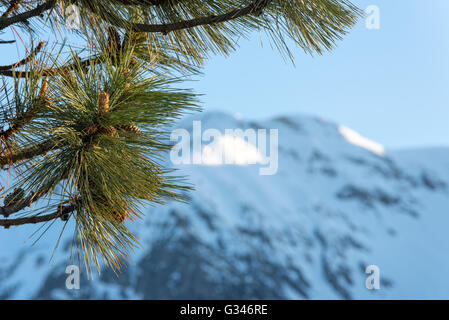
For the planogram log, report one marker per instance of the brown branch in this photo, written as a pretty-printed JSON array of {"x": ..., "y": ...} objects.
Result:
[
  {"x": 21, "y": 204},
  {"x": 22, "y": 17},
  {"x": 7, "y": 41},
  {"x": 26, "y": 117},
  {"x": 25, "y": 60},
  {"x": 18, "y": 124},
  {"x": 62, "y": 213},
  {"x": 51, "y": 72},
  {"x": 12, "y": 158},
  {"x": 255, "y": 7}
]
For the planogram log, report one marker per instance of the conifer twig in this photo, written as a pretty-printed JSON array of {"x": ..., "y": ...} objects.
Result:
[
  {"x": 21, "y": 204},
  {"x": 22, "y": 17},
  {"x": 25, "y": 60},
  {"x": 50, "y": 72},
  {"x": 27, "y": 116},
  {"x": 29, "y": 153},
  {"x": 255, "y": 7},
  {"x": 60, "y": 213}
]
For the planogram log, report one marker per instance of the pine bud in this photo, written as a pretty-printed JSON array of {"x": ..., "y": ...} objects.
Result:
[
  {"x": 120, "y": 217},
  {"x": 126, "y": 74},
  {"x": 43, "y": 97},
  {"x": 91, "y": 129},
  {"x": 114, "y": 42},
  {"x": 133, "y": 61},
  {"x": 103, "y": 104},
  {"x": 109, "y": 131},
  {"x": 14, "y": 6},
  {"x": 44, "y": 88}
]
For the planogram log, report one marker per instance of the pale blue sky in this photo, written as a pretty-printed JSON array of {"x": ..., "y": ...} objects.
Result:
[{"x": 391, "y": 84}]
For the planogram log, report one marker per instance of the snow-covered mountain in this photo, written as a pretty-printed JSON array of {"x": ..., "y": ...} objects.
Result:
[{"x": 337, "y": 204}]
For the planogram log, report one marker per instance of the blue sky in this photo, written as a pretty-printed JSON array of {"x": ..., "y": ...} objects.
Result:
[{"x": 390, "y": 84}]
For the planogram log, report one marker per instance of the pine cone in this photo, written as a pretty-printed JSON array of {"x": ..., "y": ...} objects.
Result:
[
  {"x": 103, "y": 205},
  {"x": 14, "y": 197},
  {"x": 131, "y": 128}
]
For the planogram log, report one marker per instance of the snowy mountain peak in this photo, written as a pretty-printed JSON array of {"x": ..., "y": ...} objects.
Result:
[{"x": 336, "y": 205}]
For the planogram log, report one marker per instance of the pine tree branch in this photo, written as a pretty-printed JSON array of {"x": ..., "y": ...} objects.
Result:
[
  {"x": 29, "y": 153},
  {"x": 21, "y": 204},
  {"x": 62, "y": 213},
  {"x": 22, "y": 17},
  {"x": 51, "y": 72},
  {"x": 26, "y": 117},
  {"x": 18, "y": 123},
  {"x": 255, "y": 7},
  {"x": 34, "y": 151},
  {"x": 26, "y": 59}
]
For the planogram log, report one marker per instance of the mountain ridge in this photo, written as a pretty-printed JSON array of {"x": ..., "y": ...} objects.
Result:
[{"x": 307, "y": 232}]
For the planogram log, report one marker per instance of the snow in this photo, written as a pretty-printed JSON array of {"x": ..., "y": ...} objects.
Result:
[
  {"x": 229, "y": 149},
  {"x": 358, "y": 140}
]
